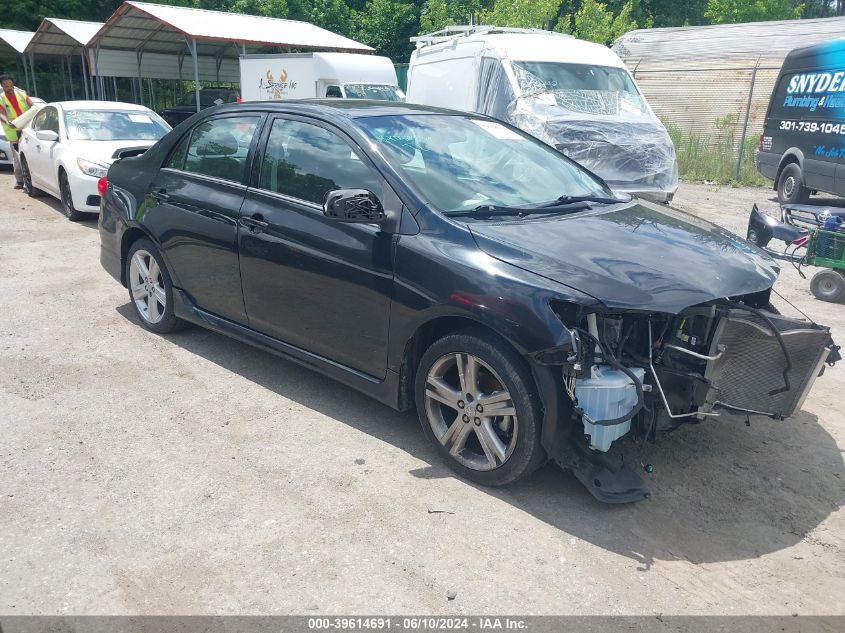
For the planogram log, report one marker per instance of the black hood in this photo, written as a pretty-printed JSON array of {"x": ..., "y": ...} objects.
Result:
[{"x": 634, "y": 256}]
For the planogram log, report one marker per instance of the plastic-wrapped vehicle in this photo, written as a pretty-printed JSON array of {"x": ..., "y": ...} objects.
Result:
[{"x": 576, "y": 96}]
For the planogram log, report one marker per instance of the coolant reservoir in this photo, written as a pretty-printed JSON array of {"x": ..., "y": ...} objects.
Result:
[{"x": 607, "y": 394}]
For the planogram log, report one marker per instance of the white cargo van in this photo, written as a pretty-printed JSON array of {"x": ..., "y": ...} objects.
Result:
[
  {"x": 574, "y": 95},
  {"x": 318, "y": 75}
]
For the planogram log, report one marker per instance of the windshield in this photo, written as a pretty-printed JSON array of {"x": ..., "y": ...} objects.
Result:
[
  {"x": 461, "y": 162},
  {"x": 114, "y": 125},
  {"x": 581, "y": 87},
  {"x": 380, "y": 92},
  {"x": 209, "y": 97}
]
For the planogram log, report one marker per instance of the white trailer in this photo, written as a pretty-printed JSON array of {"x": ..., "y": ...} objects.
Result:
[{"x": 318, "y": 75}]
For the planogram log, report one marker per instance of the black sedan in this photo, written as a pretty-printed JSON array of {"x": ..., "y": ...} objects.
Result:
[
  {"x": 452, "y": 263},
  {"x": 209, "y": 97}
]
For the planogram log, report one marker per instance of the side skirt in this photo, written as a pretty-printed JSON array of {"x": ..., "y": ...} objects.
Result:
[{"x": 384, "y": 390}]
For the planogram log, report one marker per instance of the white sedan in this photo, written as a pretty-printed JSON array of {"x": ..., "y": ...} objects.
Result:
[
  {"x": 69, "y": 146},
  {"x": 5, "y": 150}
]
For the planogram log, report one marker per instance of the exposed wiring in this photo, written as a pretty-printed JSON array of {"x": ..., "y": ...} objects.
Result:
[{"x": 804, "y": 314}]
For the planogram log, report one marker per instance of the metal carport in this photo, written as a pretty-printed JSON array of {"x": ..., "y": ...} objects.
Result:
[
  {"x": 211, "y": 38},
  {"x": 14, "y": 43},
  {"x": 57, "y": 37}
]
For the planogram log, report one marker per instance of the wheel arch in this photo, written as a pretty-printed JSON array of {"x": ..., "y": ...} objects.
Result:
[
  {"x": 790, "y": 156},
  {"x": 426, "y": 333},
  {"x": 129, "y": 237}
]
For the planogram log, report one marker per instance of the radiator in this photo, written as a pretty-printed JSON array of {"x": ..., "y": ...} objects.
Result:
[{"x": 748, "y": 376}]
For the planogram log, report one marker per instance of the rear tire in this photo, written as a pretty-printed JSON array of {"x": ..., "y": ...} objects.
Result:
[
  {"x": 828, "y": 285},
  {"x": 31, "y": 191},
  {"x": 791, "y": 189},
  {"x": 477, "y": 403},
  {"x": 150, "y": 288},
  {"x": 67, "y": 198}
]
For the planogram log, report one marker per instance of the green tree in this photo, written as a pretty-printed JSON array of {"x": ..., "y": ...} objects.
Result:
[
  {"x": 269, "y": 8},
  {"x": 596, "y": 23},
  {"x": 735, "y": 11},
  {"x": 387, "y": 26},
  {"x": 521, "y": 13},
  {"x": 334, "y": 15}
]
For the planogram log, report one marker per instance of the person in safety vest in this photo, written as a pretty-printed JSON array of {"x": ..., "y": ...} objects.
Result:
[{"x": 13, "y": 103}]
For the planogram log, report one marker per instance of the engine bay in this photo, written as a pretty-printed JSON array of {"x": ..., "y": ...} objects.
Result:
[{"x": 641, "y": 373}]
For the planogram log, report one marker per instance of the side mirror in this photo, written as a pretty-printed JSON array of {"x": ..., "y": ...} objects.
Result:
[
  {"x": 354, "y": 205},
  {"x": 47, "y": 135}
]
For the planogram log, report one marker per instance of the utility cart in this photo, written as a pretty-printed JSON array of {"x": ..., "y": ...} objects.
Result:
[{"x": 814, "y": 235}]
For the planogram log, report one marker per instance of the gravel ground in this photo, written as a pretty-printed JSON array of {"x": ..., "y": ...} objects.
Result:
[{"x": 192, "y": 474}]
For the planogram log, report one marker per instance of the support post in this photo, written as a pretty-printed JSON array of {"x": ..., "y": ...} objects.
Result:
[
  {"x": 193, "y": 48},
  {"x": 745, "y": 122},
  {"x": 84, "y": 73},
  {"x": 26, "y": 73},
  {"x": 114, "y": 85},
  {"x": 138, "y": 56},
  {"x": 70, "y": 77},
  {"x": 64, "y": 79},
  {"x": 32, "y": 69}
]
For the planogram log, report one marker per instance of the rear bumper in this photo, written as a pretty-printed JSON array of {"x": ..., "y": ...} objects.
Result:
[
  {"x": 767, "y": 164},
  {"x": 110, "y": 260}
]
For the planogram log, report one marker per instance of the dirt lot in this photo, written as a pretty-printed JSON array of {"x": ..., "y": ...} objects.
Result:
[{"x": 193, "y": 474}]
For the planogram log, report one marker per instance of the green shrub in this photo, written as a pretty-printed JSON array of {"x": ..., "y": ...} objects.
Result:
[{"x": 714, "y": 159}]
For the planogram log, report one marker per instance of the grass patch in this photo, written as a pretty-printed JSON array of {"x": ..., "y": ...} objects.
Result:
[{"x": 714, "y": 159}]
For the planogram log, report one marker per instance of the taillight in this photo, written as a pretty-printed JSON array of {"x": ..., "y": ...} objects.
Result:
[{"x": 102, "y": 185}]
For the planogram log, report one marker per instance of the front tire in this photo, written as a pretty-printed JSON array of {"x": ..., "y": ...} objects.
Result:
[
  {"x": 791, "y": 189},
  {"x": 31, "y": 191},
  {"x": 478, "y": 405},
  {"x": 828, "y": 285},
  {"x": 67, "y": 199},
  {"x": 150, "y": 288}
]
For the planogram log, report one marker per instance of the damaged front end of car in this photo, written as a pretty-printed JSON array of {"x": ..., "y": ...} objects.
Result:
[{"x": 637, "y": 373}]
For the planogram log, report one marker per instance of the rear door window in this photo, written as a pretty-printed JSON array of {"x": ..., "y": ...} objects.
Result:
[
  {"x": 219, "y": 147},
  {"x": 306, "y": 161}
]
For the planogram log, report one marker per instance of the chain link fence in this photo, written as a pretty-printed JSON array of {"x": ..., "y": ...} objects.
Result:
[{"x": 714, "y": 113}]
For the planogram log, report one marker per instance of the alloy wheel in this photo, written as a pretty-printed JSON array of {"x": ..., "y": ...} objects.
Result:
[
  {"x": 470, "y": 411},
  {"x": 147, "y": 286}
]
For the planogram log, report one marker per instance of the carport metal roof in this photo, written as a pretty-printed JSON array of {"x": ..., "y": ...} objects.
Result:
[
  {"x": 56, "y": 36},
  {"x": 14, "y": 42},
  {"x": 160, "y": 28}
]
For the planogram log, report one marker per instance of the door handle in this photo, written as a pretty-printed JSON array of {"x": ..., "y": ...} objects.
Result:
[
  {"x": 256, "y": 223},
  {"x": 161, "y": 195}
]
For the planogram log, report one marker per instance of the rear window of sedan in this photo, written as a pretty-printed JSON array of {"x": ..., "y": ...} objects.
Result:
[{"x": 114, "y": 125}]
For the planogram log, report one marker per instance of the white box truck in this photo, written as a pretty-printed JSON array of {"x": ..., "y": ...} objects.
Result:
[
  {"x": 318, "y": 75},
  {"x": 576, "y": 96}
]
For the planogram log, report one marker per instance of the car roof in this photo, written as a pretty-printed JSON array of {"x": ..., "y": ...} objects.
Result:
[
  {"x": 98, "y": 105},
  {"x": 337, "y": 108},
  {"x": 822, "y": 55}
]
